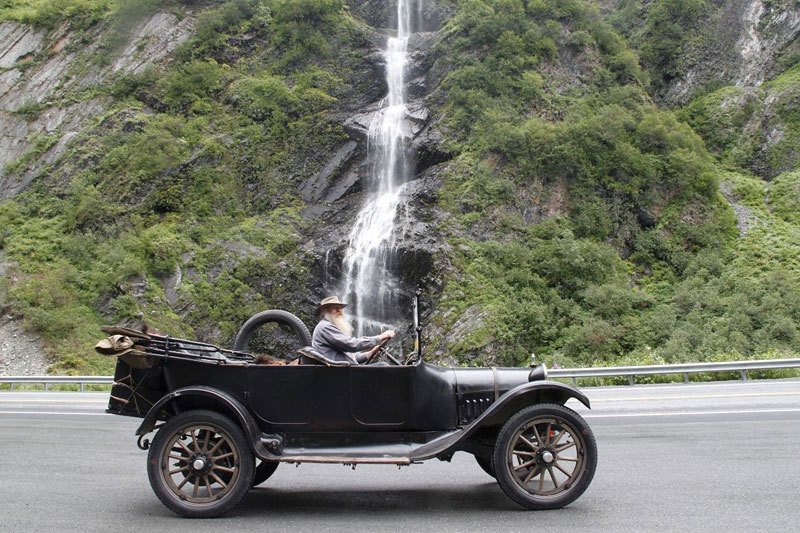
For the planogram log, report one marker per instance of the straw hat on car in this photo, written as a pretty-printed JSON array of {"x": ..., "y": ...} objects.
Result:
[
  {"x": 114, "y": 345},
  {"x": 124, "y": 348}
]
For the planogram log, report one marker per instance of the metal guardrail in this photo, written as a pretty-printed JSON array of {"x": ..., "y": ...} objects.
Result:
[
  {"x": 685, "y": 368},
  {"x": 58, "y": 380},
  {"x": 743, "y": 367}
]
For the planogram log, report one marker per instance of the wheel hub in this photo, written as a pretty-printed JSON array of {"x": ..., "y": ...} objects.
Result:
[
  {"x": 200, "y": 464},
  {"x": 546, "y": 457}
]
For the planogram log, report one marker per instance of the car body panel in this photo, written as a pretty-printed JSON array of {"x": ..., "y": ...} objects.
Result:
[{"x": 339, "y": 414}]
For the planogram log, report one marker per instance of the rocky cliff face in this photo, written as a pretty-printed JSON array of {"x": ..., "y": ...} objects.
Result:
[
  {"x": 60, "y": 104},
  {"x": 733, "y": 42},
  {"x": 729, "y": 64},
  {"x": 741, "y": 43},
  {"x": 335, "y": 192},
  {"x": 735, "y": 76},
  {"x": 49, "y": 80}
]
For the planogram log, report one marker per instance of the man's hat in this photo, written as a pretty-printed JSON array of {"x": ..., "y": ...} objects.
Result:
[{"x": 331, "y": 301}]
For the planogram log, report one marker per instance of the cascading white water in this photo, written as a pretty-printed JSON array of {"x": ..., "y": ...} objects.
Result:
[{"x": 368, "y": 282}]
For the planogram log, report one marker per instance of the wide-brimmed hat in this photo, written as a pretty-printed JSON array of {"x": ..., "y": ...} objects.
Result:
[
  {"x": 331, "y": 301},
  {"x": 114, "y": 345}
]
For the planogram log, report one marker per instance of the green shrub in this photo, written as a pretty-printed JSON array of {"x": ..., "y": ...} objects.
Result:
[
  {"x": 51, "y": 12},
  {"x": 161, "y": 246},
  {"x": 41, "y": 144},
  {"x": 720, "y": 117},
  {"x": 668, "y": 27},
  {"x": 193, "y": 82},
  {"x": 784, "y": 197},
  {"x": 264, "y": 99}
]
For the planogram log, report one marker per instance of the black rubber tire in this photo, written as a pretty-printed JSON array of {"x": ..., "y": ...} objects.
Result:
[
  {"x": 236, "y": 447},
  {"x": 264, "y": 471},
  {"x": 278, "y": 316},
  {"x": 485, "y": 462},
  {"x": 585, "y": 456}
]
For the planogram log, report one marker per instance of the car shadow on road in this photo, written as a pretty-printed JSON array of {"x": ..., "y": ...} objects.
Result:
[{"x": 281, "y": 502}]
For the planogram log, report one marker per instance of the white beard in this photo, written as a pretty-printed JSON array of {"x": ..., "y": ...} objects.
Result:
[{"x": 340, "y": 321}]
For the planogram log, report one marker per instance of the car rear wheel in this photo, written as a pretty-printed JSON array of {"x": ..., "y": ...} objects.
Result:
[
  {"x": 545, "y": 457},
  {"x": 200, "y": 464}
]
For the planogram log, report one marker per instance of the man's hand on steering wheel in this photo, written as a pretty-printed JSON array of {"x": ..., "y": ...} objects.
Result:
[{"x": 384, "y": 338}]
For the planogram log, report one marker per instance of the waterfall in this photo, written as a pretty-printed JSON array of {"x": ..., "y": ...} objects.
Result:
[{"x": 369, "y": 283}]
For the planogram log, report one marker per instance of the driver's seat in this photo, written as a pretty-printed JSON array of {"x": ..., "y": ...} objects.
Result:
[{"x": 309, "y": 356}]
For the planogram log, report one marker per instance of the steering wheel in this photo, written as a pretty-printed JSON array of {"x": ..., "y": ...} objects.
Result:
[
  {"x": 383, "y": 351},
  {"x": 411, "y": 358}
]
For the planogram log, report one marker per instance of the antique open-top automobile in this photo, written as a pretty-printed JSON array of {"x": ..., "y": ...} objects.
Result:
[{"x": 225, "y": 420}]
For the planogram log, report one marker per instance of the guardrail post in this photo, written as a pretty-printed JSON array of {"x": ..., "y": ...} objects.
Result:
[
  {"x": 81, "y": 386},
  {"x": 631, "y": 381},
  {"x": 744, "y": 375},
  {"x": 46, "y": 387},
  {"x": 686, "y": 377}
]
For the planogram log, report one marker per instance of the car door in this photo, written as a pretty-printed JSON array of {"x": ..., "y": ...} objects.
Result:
[
  {"x": 301, "y": 397},
  {"x": 380, "y": 395}
]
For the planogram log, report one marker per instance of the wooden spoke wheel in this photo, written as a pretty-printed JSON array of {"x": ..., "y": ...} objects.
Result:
[
  {"x": 545, "y": 457},
  {"x": 200, "y": 464}
]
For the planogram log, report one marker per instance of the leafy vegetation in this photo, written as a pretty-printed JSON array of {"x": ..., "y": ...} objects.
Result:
[
  {"x": 669, "y": 24},
  {"x": 584, "y": 223},
  {"x": 194, "y": 167},
  {"x": 755, "y": 128},
  {"x": 51, "y": 12},
  {"x": 590, "y": 229}
]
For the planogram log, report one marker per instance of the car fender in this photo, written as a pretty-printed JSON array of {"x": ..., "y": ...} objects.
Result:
[
  {"x": 499, "y": 412},
  {"x": 263, "y": 445},
  {"x": 525, "y": 395}
]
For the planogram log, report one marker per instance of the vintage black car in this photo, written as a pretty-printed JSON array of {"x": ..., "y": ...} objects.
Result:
[{"x": 225, "y": 420}]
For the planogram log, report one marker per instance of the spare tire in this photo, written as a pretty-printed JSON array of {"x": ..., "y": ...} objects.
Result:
[{"x": 283, "y": 318}]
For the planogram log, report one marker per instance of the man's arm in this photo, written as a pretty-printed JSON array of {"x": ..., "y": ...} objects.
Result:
[
  {"x": 338, "y": 340},
  {"x": 363, "y": 357}
]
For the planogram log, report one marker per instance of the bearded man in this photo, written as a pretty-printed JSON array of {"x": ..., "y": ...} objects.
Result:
[{"x": 333, "y": 336}]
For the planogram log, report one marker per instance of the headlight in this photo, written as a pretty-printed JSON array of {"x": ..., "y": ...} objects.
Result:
[{"x": 538, "y": 373}]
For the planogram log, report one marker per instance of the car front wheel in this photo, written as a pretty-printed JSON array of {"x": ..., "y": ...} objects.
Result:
[
  {"x": 200, "y": 464},
  {"x": 545, "y": 456}
]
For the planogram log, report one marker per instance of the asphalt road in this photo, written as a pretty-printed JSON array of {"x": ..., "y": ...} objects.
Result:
[{"x": 716, "y": 457}]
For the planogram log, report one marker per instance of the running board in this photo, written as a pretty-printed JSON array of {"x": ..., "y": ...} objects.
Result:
[
  {"x": 271, "y": 449},
  {"x": 345, "y": 460}
]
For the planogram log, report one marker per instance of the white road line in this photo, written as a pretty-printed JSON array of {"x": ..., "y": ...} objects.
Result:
[
  {"x": 693, "y": 397},
  {"x": 691, "y": 413},
  {"x": 58, "y": 413},
  {"x": 43, "y": 400}
]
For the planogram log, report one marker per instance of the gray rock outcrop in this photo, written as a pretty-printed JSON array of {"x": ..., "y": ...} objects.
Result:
[
  {"x": 41, "y": 104},
  {"x": 740, "y": 44},
  {"x": 17, "y": 42}
]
